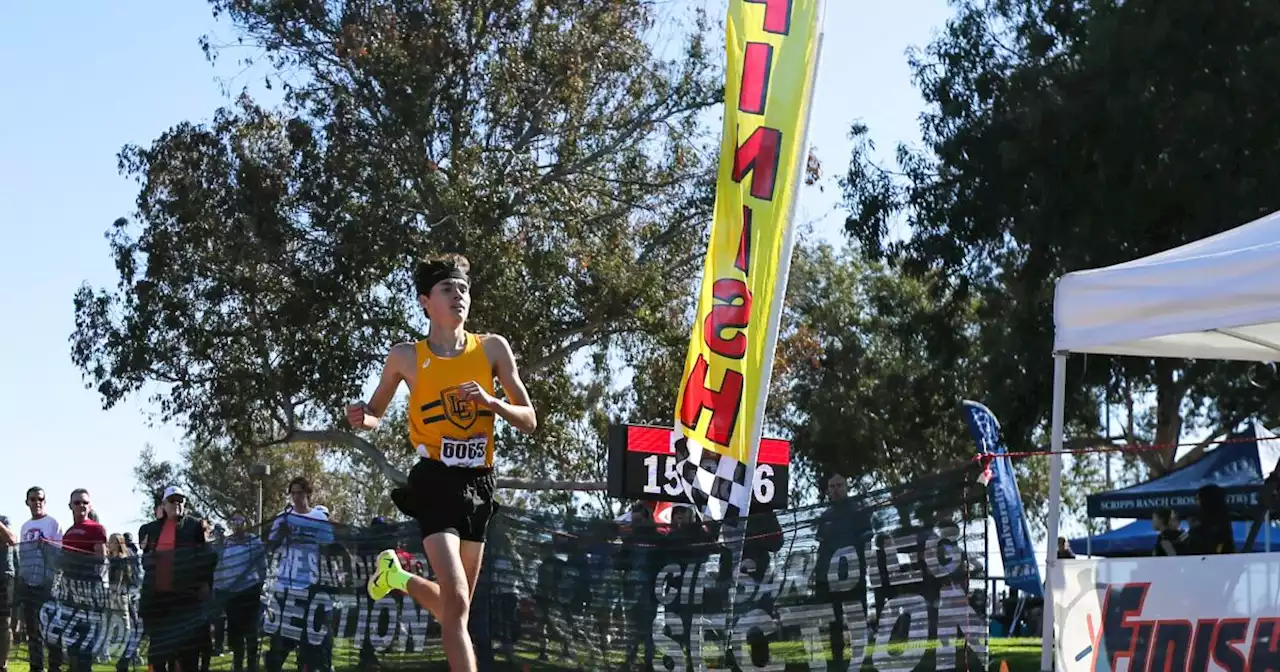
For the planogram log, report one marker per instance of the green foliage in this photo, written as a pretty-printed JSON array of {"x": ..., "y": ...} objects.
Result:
[
  {"x": 859, "y": 384},
  {"x": 266, "y": 272},
  {"x": 1069, "y": 135}
]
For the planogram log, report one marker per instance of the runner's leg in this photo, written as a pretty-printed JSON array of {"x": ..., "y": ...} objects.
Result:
[
  {"x": 472, "y": 558},
  {"x": 452, "y": 596},
  {"x": 441, "y": 599}
]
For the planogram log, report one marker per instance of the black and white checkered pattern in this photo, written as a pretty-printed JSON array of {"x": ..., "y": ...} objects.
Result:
[{"x": 716, "y": 484}]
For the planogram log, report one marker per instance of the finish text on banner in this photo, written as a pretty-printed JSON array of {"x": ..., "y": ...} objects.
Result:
[
  {"x": 771, "y": 59},
  {"x": 1202, "y": 613}
]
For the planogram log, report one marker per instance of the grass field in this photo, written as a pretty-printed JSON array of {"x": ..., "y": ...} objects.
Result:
[{"x": 1022, "y": 655}]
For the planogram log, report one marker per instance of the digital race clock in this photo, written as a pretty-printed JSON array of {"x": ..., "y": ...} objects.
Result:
[{"x": 642, "y": 465}]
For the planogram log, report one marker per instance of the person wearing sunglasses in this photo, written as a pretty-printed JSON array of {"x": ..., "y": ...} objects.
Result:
[
  {"x": 40, "y": 539},
  {"x": 83, "y": 563},
  {"x": 178, "y": 564}
]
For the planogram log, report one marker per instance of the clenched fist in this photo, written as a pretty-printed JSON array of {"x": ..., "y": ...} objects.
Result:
[{"x": 358, "y": 416}]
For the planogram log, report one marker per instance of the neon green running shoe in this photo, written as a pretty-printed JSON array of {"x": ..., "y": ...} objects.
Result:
[{"x": 386, "y": 575}]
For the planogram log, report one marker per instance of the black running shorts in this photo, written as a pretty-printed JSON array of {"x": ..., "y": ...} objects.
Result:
[{"x": 454, "y": 500}]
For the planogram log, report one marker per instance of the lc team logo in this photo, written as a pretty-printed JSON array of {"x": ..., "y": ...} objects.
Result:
[{"x": 461, "y": 412}]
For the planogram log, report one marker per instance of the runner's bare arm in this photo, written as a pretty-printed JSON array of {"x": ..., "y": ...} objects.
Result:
[
  {"x": 7, "y": 537},
  {"x": 367, "y": 415},
  {"x": 517, "y": 409}
]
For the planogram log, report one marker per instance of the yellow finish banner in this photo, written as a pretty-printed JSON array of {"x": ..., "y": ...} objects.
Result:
[{"x": 772, "y": 53}]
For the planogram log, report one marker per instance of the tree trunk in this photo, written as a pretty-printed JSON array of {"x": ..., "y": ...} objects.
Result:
[{"x": 1170, "y": 393}]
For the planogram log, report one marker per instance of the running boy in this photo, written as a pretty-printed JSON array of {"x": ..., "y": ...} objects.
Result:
[{"x": 452, "y": 405}]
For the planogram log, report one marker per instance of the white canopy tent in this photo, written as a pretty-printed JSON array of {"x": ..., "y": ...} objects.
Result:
[{"x": 1217, "y": 298}]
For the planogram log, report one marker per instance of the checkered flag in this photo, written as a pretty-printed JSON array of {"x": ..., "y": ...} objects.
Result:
[{"x": 716, "y": 484}]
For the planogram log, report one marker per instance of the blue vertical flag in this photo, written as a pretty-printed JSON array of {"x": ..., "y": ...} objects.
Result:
[{"x": 1020, "y": 568}]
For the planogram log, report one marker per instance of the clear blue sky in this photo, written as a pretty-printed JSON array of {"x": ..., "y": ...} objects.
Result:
[{"x": 82, "y": 82}]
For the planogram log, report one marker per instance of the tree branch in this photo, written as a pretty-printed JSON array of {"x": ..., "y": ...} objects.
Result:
[
  {"x": 585, "y": 341},
  {"x": 537, "y": 484},
  {"x": 1197, "y": 451},
  {"x": 349, "y": 440},
  {"x": 1091, "y": 441},
  {"x": 1224, "y": 430}
]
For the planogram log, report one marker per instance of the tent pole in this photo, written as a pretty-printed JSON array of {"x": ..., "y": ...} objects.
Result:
[
  {"x": 1055, "y": 506},
  {"x": 1108, "y": 434}
]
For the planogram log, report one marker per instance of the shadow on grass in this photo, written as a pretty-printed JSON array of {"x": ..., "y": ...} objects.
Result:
[{"x": 1022, "y": 655}]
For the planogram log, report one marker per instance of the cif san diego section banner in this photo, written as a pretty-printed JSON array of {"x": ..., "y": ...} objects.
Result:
[
  {"x": 1016, "y": 550},
  {"x": 771, "y": 60}
]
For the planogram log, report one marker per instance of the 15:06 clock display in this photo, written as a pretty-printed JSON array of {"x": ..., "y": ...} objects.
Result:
[{"x": 642, "y": 465}]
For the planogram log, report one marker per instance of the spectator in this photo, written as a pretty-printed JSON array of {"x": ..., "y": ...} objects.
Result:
[
  {"x": 303, "y": 530},
  {"x": 213, "y": 614},
  {"x": 504, "y": 590},
  {"x": 134, "y": 555},
  {"x": 220, "y": 618},
  {"x": 841, "y": 526},
  {"x": 764, "y": 538},
  {"x": 689, "y": 543},
  {"x": 120, "y": 587},
  {"x": 1168, "y": 532},
  {"x": 35, "y": 553},
  {"x": 1213, "y": 535},
  {"x": 242, "y": 568},
  {"x": 83, "y": 550},
  {"x": 178, "y": 567},
  {"x": 642, "y": 562},
  {"x": 1064, "y": 550},
  {"x": 86, "y": 536},
  {"x": 8, "y": 566},
  {"x": 547, "y": 600}
]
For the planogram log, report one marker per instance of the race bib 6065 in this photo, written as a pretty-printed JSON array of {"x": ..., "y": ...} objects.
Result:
[{"x": 464, "y": 452}]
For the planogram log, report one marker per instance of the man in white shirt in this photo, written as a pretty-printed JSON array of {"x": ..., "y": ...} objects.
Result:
[
  {"x": 39, "y": 546},
  {"x": 299, "y": 535}
]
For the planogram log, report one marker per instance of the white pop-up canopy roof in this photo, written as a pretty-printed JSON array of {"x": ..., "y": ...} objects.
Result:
[{"x": 1217, "y": 298}]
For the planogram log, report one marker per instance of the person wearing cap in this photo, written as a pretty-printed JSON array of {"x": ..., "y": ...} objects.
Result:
[{"x": 177, "y": 584}]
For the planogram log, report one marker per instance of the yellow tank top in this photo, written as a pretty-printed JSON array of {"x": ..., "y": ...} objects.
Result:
[{"x": 442, "y": 426}]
